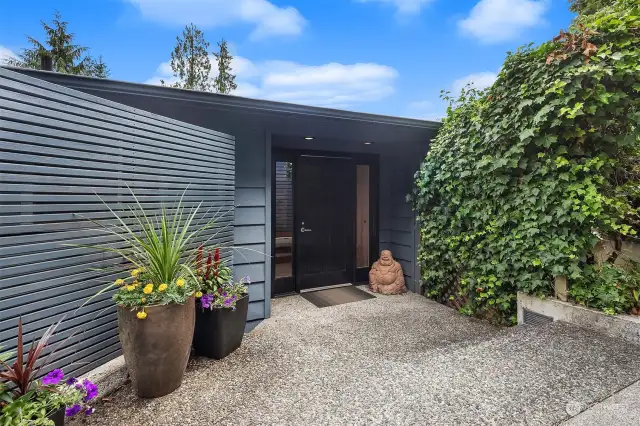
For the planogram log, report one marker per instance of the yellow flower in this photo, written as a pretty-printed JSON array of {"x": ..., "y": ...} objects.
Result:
[
  {"x": 143, "y": 300},
  {"x": 180, "y": 282},
  {"x": 131, "y": 287},
  {"x": 148, "y": 289},
  {"x": 141, "y": 315},
  {"x": 162, "y": 287},
  {"x": 198, "y": 294},
  {"x": 135, "y": 272},
  {"x": 119, "y": 281}
]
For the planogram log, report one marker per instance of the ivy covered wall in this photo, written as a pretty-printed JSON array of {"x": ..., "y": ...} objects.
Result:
[{"x": 526, "y": 177}]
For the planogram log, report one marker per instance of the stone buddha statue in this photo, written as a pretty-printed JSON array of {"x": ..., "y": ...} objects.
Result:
[{"x": 386, "y": 275}]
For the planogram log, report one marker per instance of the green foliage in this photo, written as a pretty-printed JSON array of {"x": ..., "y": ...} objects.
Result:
[
  {"x": 225, "y": 82},
  {"x": 587, "y": 7},
  {"x": 190, "y": 60},
  {"x": 67, "y": 57},
  {"x": 608, "y": 287},
  {"x": 33, "y": 408},
  {"x": 28, "y": 410},
  {"x": 158, "y": 248},
  {"x": 521, "y": 175}
]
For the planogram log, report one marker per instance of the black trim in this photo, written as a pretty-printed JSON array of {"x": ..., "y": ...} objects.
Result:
[{"x": 225, "y": 101}]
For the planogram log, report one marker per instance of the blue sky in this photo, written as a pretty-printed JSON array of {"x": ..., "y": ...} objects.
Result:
[{"x": 380, "y": 56}]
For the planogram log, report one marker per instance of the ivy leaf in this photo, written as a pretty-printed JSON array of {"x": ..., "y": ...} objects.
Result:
[{"x": 526, "y": 134}]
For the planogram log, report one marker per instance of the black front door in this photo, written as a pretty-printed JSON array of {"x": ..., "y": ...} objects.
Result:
[{"x": 325, "y": 209}]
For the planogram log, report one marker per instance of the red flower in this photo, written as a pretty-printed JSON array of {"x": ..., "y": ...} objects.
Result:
[
  {"x": 208, "y": 265},
  {"x": 216, "y": 261}
]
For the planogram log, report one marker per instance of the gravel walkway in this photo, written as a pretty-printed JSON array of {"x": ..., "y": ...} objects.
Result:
[{"x": 390, "y": 360}]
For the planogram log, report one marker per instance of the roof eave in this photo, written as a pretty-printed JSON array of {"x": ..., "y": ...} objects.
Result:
[{"x": 258, "y": 105}]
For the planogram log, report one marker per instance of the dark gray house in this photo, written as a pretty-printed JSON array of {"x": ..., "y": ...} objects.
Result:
[{"x": 318, "y": 192}]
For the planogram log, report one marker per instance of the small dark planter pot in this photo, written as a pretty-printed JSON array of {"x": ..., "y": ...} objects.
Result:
[
  {"x": 219, "y": 331},
  {"x": 156, "y": 349},
  {"x": 57, "y": 417}
]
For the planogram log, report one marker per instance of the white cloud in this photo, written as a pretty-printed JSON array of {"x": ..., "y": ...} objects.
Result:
[
  {"x": 330, "y": 85},
  {"x": 6, "y": 54},
  {"x": 495, "y": 21},
  {"x": 436, "y": 110},
  {"x": 425, "y": 110},
  {"x": 479, "y": 81},
  {"x": 267, "y": 19},
  {"x": 404, "y": 7}
]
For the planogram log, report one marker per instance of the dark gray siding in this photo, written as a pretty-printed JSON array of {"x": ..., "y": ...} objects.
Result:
[
  {"x": 250, "y": 253},
  {"x": 58, "y": 149},
  {"x": 400, "y": 142},
  {"x": 251, "y": 218},
  {"x": 398, "y": 231}
]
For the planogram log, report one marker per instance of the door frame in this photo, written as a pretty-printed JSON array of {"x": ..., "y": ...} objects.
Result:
[{"x": 285, "y": 287}]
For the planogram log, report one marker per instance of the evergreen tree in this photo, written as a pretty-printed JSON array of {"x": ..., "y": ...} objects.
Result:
[
  {"x": 190, "y": 60},
  {"x": 225, "y": 82},
  {"x": 67, "y": 57}
]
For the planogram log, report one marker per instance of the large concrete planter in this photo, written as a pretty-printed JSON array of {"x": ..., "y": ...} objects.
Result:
[
  {"x": 219, "y": 331},
  {"x": 156, "y": 349}
]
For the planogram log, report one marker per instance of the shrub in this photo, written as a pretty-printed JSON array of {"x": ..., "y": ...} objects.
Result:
[
  {"x": 608, "y": 287},
  {"x": 523, "y": 177}
]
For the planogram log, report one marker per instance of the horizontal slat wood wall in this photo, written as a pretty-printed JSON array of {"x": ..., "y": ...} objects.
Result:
[{"x": 59, "y": 150}]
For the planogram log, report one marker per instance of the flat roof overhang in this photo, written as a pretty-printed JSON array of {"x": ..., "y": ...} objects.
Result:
[{"x": 279, "y": 117}]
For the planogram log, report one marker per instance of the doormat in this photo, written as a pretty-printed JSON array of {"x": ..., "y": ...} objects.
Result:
[{"x": 336, "y": 296}]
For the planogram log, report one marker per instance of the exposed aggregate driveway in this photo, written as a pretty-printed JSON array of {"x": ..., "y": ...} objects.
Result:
[{"x": 395, "y": 360}]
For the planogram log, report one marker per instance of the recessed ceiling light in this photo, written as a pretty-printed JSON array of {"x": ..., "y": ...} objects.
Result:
[
  {"x": 309, "y": 138},
  {"x": 367, "y": 143}
]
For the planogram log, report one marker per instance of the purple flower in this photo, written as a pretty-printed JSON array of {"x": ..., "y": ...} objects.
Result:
[
  {"x": 245, "y": 280},
  {"x": 91, "y": 389},
  {"x": 206, "y": 300},
  {"x": 89, "y": 411},
  {"x": 53, "y": 378},
  {"x": 225, "y": 294},
  {"x": 73, "y": 410},
  {"x": 233, "y": 297},
  {"x": 71, "y": 381}
]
